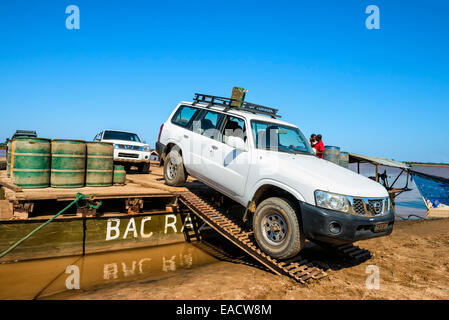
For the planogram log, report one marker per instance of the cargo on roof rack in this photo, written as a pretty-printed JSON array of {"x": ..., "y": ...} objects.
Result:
[{"x": 228, "y": 104}]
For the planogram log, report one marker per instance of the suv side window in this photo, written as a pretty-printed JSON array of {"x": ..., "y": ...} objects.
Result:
[
  {"x": 184, "y": 116},
  {"x": 209, "y": 125},
  {"x": 234, "y": 127}
]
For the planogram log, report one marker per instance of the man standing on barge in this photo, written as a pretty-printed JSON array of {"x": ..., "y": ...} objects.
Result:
[{"x": 319, "y": 146}]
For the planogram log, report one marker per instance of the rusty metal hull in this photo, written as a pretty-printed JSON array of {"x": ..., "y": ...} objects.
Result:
[{"x": 78, "y": 235}]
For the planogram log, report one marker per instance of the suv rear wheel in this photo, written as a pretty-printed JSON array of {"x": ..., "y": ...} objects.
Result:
[
  {"x": 277, "y": 229},
  {"x": 174, "y": 172}
]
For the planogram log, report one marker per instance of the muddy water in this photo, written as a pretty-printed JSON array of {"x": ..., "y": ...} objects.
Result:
[{"x": 60, "y": 277}]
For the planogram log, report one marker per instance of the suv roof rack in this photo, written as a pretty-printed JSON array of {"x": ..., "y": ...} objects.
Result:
[
  {"x": 227, "y": 103},
  {"x": 25, "y": 133}
]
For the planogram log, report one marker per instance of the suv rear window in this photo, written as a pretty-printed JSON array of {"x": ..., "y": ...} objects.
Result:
[{"x": 183, "y": 116}]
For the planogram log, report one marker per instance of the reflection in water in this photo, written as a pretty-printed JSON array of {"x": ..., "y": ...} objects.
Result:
[{"x": 46, "y": 277}]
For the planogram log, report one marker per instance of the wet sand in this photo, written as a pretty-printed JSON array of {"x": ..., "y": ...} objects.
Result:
[{"x": 413, "y": 264}]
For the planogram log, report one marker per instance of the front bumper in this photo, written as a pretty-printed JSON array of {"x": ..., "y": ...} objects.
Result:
[
  {"x": 316, "y": 222},
  {"x": 124, "y": 155}
]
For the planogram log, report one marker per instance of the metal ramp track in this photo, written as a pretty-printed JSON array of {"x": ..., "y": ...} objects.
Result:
[{"x": 297, "y": 268}]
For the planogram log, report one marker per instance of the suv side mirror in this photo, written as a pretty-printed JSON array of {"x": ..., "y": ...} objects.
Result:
[{"x": 236, "y": 142}]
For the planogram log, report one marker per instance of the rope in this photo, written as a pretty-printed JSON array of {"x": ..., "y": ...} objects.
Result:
[
  {"x": 408, "y": 217},
  {"x": 79, "y": 196}
]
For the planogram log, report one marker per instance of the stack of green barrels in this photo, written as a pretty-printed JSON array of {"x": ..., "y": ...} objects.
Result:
[
  {"x": 62, "y": 163},
  {"x": 333, "y": 154}
]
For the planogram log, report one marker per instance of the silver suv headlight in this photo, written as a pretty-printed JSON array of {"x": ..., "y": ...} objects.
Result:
[{"x": 332, "y": 201}]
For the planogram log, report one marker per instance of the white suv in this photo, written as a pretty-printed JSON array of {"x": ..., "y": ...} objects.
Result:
[
  {"x": 267, "y": 165},
  {"x": 129, "y": 150}
]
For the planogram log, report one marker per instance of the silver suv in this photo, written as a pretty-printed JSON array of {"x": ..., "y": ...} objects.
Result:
[{"x": 129, "y": 150}]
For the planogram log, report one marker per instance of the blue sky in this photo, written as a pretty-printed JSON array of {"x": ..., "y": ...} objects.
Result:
[{"x": 377, "y": 92}]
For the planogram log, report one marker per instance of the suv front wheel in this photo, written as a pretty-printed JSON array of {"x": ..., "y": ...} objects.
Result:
[
  {"x": 174, "y": 172},
  {"x": 277, "y": 229}
]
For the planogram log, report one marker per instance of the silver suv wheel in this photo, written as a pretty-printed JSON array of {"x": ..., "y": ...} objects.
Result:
[
  {"x": 171, "y": 169},
  {"x": 275, "y": 228}
]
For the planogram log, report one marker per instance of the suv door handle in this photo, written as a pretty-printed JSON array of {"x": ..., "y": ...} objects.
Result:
[
  {"x": 214, "y": 147},
  {"x": 186, "y": 136}
]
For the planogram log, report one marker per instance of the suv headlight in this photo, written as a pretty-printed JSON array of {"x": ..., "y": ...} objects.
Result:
[
  {"x": 146, "y": 149},
  {"x": 331, "y": 201},
  {"x": 116, "y": 146}
]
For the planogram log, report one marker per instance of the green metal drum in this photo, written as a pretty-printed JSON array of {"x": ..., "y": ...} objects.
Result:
[
  {"x": 30, "y": 162},
  {"x": 238, "y": 94},
  {"x": 8, "y": 159},
  {"x": 332, "y": 154},
  {"x": 344, "y": 160},
  {"x": 68, "y": 163},
  {"x": 100, "y": 161},
  {"x": 119, "y": 175}
]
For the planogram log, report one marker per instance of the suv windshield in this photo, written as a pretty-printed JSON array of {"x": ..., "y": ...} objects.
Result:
[
  {"x": 276, "y": 137},
  {"x": 117, "y": 135}
]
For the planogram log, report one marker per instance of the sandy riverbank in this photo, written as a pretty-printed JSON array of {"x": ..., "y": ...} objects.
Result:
[{"x": 413, "y": 264}]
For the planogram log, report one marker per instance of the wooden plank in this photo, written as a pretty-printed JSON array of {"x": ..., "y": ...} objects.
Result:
[
  {"x": 154, "y": 184},
  {"x": 130, "y": 190},
  {"x": 5, "y": 209},
  {"x": 8, "y": 184},
  {"x": 139, "y": 185},
  {"x": 438, "y": 213}
]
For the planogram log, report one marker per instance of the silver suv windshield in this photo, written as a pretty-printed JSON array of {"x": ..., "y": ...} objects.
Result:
[
  {"x": 118, "y": 135},
  {"x": 276, "y": 137}
]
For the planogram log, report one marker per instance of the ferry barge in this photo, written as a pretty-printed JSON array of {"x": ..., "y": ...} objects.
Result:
[{"x": 142, "y": 213}]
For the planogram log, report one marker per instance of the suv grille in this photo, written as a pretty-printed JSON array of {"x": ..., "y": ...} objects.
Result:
[
  {"x": 358, "y": 207},
  {"x": 369, "y": 207},
  {"x": 376, "y": 207},
  {"x": 129, "y": 147},
  {"x": 128, "y": 155}
]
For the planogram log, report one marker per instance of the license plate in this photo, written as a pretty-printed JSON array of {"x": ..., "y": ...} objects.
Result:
[{"x": 380, "y": 227}]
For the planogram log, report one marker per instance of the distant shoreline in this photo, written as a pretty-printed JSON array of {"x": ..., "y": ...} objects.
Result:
[{"x": 428, "y": 164}]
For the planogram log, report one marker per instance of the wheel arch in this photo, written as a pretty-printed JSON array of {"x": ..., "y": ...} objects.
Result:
[
  {"x": 270, "y": 189},
  {"x": 167, "y": 150}
]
